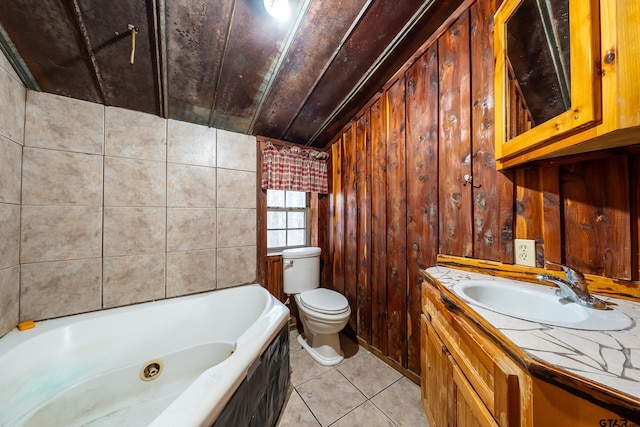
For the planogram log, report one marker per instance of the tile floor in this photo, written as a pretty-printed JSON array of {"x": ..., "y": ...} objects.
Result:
[{"x": 360, "y": 391}]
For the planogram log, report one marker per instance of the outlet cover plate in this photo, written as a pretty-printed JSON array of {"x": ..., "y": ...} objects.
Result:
[{"x": 525, "y": 252}]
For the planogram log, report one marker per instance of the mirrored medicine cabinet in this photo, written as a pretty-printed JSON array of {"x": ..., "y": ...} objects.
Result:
[{"x": 545, "y": 76}]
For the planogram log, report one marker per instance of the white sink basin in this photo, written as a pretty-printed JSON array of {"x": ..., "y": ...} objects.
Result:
[{"x": 538, "y": 303}]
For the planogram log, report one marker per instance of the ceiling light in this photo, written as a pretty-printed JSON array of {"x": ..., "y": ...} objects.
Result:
[{"x": 279, "y": 9}]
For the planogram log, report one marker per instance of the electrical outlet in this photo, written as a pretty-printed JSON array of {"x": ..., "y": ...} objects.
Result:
[{"x": 525, "y": 252}]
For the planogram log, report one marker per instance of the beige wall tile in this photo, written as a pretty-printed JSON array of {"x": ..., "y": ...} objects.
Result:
[
  {"x": 191, "y": 186},
  {"x": 236, "y": 266},
  {"x": 190, "y": 229},
  {"x": 52, "y": 177},
  {"x": 4, "y": 63},
  {"x": 12, "y": 107},
  {"x": 236, "y": 227},
  {"x": 9, "y": 235},
  {"x": 134, "y": 134},
  {"x": 191, "y": 144},
  {"x": 131, "y": 231},
  {"x": 53, "y": 289},
  {"x": 130, "y": 182},
  {"x": 9, "y": 298},
  {"x": 236, "y": 151},
  {"x": 190, "y": 272},
  {"x": 52, "y": 233},
  {"x": 133, "y": 279},
  {"x": 236, "y": 189},
  {"x": 62, "y": 123},
  {"x": 10, "y": 170},
  {"x": 151, "y": 207}
]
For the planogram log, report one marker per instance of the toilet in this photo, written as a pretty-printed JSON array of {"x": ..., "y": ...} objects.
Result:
[{"x": 323, "y": 312}]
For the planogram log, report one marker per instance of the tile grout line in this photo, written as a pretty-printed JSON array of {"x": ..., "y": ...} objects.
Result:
[{"x": 367, "y": 399}]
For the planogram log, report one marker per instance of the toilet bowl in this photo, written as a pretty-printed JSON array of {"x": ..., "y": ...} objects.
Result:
[{"x": 323, "y": 312}]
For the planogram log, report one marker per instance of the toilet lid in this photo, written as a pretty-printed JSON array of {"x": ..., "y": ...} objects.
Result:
[{"x": 324, "y": 300}]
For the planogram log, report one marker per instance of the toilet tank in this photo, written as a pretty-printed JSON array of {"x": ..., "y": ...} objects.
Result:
[{"x": 300, "y": 269}]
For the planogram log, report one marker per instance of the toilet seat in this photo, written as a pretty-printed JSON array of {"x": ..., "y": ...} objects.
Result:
[{"x": 324, "y": 301}]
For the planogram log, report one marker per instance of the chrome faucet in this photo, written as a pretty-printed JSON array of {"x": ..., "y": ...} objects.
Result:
[{"x": 573, "y": 287}]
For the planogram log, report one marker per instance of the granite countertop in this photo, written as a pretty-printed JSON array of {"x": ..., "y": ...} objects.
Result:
[{"x": 609, "y": 358}]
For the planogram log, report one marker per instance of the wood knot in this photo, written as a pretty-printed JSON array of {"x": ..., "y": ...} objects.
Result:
[{"x": 610, "y": 57}]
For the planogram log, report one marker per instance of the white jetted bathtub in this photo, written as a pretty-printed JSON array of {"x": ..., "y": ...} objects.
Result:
[{"x": 174, "y": 362}]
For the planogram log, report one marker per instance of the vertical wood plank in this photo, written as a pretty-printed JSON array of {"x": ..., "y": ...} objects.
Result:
[
  {"x": 324, "y": 235},
  {"x": 337, "y": 203},
  {"x": 634, "y": 191},
  {"x": 274, "y": 280},
  {"x": 363, "y": 254},
  {"x": 596, "y": 216},
  {"x": 507, "y": 216},
  {"x": 529, "y": 209},
  {"x": 396, "y": 223},
  {"x": 456, "y": 230},
  {"x": 422, "y": 187},
  {"x": 551, "y": 224},
  {"x": 378, "y": 227},
  {"x": 349, "y": 160},
  {"x": 487, "y": 192}
]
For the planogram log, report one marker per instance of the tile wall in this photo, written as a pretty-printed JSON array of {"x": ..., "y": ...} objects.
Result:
[
  {"x": 12, "y": 110},
  {"x": 102, "y": 207}
]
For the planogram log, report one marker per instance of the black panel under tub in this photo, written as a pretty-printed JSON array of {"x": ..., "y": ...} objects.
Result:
[{"x": 259, "y": 399}]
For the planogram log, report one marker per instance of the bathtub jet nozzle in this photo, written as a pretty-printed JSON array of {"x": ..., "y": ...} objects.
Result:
[{"x": 151, "y": 370}]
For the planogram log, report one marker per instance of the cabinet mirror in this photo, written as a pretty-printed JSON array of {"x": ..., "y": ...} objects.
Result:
[
  {"x": 538, "y": 63},
  {"x": 545, "y": 71}
]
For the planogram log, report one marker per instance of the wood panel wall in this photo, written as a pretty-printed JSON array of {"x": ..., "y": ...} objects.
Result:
[{"x": 399, "y": 194}]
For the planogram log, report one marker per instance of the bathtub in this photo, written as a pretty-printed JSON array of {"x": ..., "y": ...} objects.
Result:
[{"x": 175, "y": 362}]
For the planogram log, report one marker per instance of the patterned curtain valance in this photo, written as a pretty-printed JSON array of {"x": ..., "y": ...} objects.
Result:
[{"x": 294, "y": 169}]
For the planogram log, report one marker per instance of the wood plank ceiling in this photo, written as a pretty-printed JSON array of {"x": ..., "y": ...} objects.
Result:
[{"x": 221, "y": 63}]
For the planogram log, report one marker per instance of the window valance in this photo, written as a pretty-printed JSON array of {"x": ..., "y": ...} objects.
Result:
[{"x": 294, "y": 169}]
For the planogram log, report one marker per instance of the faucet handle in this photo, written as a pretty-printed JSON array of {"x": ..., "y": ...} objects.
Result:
[{"x": 573, "y": 276}]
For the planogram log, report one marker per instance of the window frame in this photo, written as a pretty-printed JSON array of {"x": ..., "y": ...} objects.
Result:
[{"x": 307, "y": 225}]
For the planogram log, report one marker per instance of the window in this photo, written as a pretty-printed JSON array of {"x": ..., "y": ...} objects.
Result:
[{"x": 287, "y": 219}]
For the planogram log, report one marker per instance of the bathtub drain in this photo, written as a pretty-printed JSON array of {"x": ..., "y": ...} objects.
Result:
[{"x": 151, "y": 370}]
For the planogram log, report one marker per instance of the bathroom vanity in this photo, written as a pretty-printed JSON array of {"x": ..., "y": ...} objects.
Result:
[{"x": 480, "y": 367}]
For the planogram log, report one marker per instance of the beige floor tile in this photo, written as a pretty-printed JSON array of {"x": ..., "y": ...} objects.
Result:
[
  {"x": 295, "y": 413},
  {"x": 401, "y": 402},
  {"x": 366, "y": 414},
  {"x": 369, "y": 374},
  {"x": 304, "y": 368},
  {"x": 330, "y": 396},
  {"x": 337, "y": 396}
]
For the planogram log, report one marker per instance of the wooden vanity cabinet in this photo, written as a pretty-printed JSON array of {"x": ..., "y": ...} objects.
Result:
[
  {"x": 466, "y": 379},
  {"x": 605, "y": 88}
]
